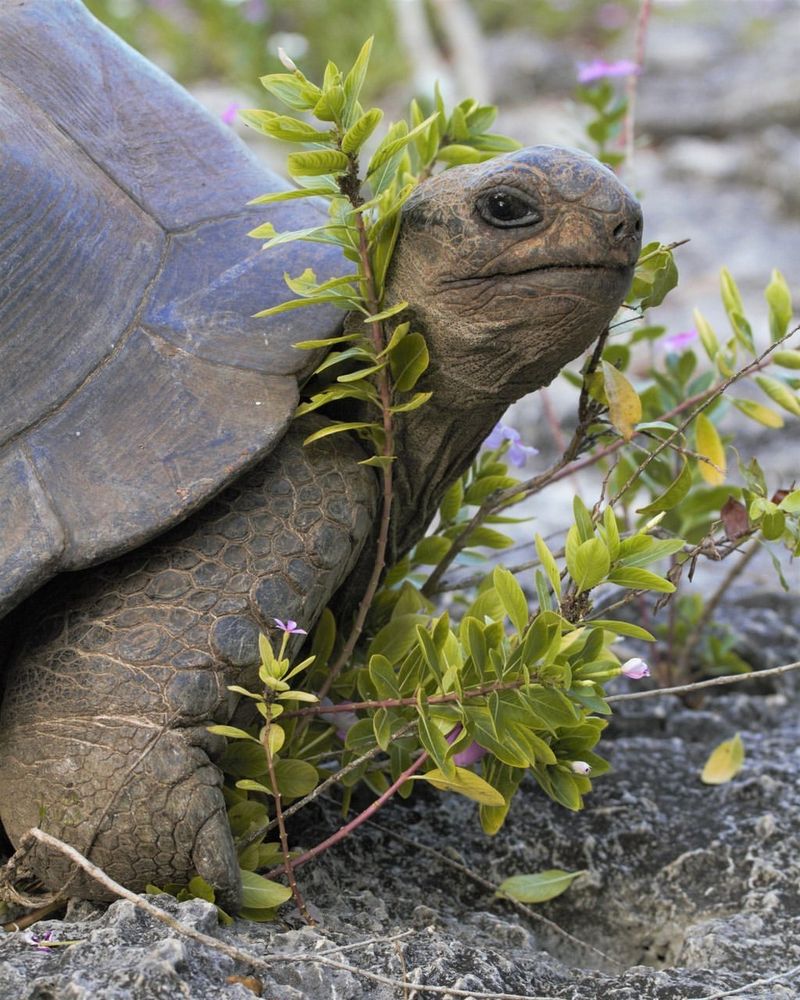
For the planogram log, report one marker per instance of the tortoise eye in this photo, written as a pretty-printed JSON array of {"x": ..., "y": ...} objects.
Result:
[{"x": 505, "y": 208}]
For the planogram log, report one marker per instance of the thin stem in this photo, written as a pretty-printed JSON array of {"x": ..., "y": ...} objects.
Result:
[
  {"x": 385, "y": 390},
  {"x": 702, "y": 401},
  {"x": 356, "y": 822},
  {"x": 682, "y": 666},
  {"x": 698, "y": 685},
  {"x": 287, "y": 858},
  {"x": 436, "y": 699},
  {"x": 260, "y": 831},
  {"x": 631, "y": 85}
]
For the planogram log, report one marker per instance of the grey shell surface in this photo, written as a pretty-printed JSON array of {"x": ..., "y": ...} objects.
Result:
[{"x": 134, "y": 382}]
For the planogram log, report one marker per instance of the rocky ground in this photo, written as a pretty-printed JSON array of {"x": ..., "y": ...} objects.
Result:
[{"x": 690, "y": 890}]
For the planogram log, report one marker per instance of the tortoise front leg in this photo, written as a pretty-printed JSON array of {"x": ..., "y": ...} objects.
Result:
[{"x": 118, "y": 671}]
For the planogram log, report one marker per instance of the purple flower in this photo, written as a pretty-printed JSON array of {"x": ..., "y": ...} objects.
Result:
[
  {"x": 580, "y": 767},
  {"x": 289, "y": 627},
  {"x": 635, "y": 669},
  {"x": 228, "y": 116},
  {"x": 518, "y": 453},
  {"x": 675, "y": 343},
  {"x": 473, "y": 753},
  {"x": 600, "y": 69},
  {"x": 40, "y": 941}
]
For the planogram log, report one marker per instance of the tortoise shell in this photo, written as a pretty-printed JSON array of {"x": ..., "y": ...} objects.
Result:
[{"x": 134, "y": 382}]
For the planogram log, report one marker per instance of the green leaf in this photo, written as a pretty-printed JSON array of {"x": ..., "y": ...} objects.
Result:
[
  {"x": 583, "y": 519},
  {"x": 709, "y": 445},
  {"x": 589, "y": 564},
  {"x": 611, "y": 533},
  {"x": 433, "y": 739},
  {"x": 430, "y": 654},
  {"x": 540, "y": 887},
  {"x": 398, "y": 307},
  {"x": 731, "y": 298},
  {"x": 289, "y": 195},
  {"x": 549, "y": 564},
  {"x": 337, "y": 429},
  {"x": 641, "y": 550},
  {"x": 456, "y": 154},
  {"x": 621, "y": 628},
  {"x": 758, "y": 412},
  {"x": 483, "y": 536},
  {"x": 395, "y": 142},
  {"x": 724, "y": 762},
  {"x": 624, "y": 405},
  {"x": 417, "y": 400},
  {"x": 674, "y": 493},
  {"x": 640, "y": 579},
  {"x": 779, "y": 393},
  {"x": 451, "y": 502},
  {"x": 313, "y": 345},
  {"x": 248, "y": 785},
  {"x": 512, "y": 597},
  {"x": 378, "y": 461},
  {"x": 312, "y": 163},
  {"x": 707, "y": 336},
  {"x": 284, "y": 127},
  {"x": 787, "y": 359},
  {"x": 397, "y": 637},
  {"x": 484, "y": 486},
  {"x": 330, "y": 106},
  {"x": 431, "y": 550},
  {"x": 779, "y": 301},
  {"x": 464, "y": 782},
  {"x": 259, "y": 893},
  {"x": 408, "y": 361},
  {"x": 232, "y": 733},
  {"x": 791, "y": 503},
  {"x": 295, "y": 778},
  {"x": 354, "y": 80},
  {"x": 302, "y": 303},
  {"x": 655, "y": 276},
  {"x": 355, "y": 137},
  {"x": 292, "y": 89}
]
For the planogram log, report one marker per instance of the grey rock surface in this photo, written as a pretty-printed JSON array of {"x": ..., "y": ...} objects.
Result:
[{"x": 690, "y": 890}]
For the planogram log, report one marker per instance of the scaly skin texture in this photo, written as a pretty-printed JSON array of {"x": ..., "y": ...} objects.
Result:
[
  {"x": 118, "y": 672},
  {"x": 122, "y": 668}
]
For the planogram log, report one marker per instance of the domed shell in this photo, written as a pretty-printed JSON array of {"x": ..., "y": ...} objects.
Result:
[{"x": 134, "y": 382}]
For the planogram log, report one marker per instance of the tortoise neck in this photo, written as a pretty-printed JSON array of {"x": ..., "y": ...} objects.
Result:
[{"x": 434, "y": 446}]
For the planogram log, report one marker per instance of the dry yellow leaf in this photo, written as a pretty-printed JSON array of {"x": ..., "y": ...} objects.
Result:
[
  {"x": 724, "y": 762},
  {"x": 624, "y": 405},
  {"x": 710, "y": 445}
]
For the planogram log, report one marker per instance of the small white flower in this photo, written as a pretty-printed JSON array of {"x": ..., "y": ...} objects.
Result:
[
  {"x": 580, "y": 767},
  {"x": 635, "y": 669},
  {"x": 286, "y": 59}
]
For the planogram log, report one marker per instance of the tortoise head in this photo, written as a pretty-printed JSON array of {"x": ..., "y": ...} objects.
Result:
[{"x": 511, "y": 269}]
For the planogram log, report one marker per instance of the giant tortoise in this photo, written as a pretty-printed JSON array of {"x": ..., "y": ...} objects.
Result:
[{"x": 148, "y": 454}]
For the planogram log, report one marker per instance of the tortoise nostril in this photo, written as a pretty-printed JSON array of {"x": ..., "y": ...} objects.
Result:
[{"x": 629, "y": 228}]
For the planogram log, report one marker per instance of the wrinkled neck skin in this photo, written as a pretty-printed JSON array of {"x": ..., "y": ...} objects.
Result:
[{"x": 436, "y": 443}]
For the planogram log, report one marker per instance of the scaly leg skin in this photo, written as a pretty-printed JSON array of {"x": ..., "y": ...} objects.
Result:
[{"x": 118, "y": 671}]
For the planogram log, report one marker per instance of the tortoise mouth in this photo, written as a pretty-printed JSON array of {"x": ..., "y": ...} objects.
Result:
[{"x": 618, "y": 270}]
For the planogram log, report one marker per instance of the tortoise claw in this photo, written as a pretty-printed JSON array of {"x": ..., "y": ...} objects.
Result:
[{"x": 215, "y": 859}]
